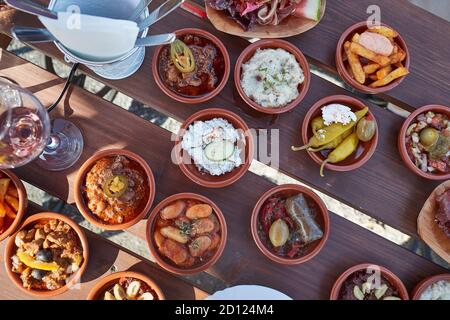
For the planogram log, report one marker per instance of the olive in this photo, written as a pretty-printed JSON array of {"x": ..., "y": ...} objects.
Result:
[
  {"x": 38, "y": 274},
  {"x": 44, "y": 255},
  {"x": 365, "y": 129},
  {"x": 279, "y": 233},
  {"x": 429, "y": 137}
]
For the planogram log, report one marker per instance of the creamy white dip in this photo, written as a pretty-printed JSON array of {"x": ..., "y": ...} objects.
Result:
[
  {"x": 271, "y": 78},
  {"x": 202, "y": 133},
  {"x": 337, "y": 113},
  {"x": 437, "y": 291}
]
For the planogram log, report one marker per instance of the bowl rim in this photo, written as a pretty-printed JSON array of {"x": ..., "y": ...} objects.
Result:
[
  {"x": 391, "y": 277},
  {"x": 101, "y": 283},
  {"x": 23, "y": 204},
  {"x": 80, "y": 177},
  {"x": 194, "y": 99},
  {"x": 272, "y": 43},
  {"x": 322, "y": 209},
  {"x": 402, "y": 147},
  {"x": 215, "y": 113},
  {"x": 354, "y": 103},
  {"x": 426, "y": 282},
  {"x": 349, "y": 79},
  {"x": 32, "y": 220},
  {"x": 150, "y": 241}
]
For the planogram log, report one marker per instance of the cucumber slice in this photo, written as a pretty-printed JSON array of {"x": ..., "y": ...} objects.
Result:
[{"x": 219, "y": 150}]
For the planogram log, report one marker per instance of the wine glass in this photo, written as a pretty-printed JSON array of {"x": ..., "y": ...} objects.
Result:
[{"x": 26, "y": 132}]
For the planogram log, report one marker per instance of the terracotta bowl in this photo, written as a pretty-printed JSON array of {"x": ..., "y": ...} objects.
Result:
[
  {"x": 23, "y": 203},
  {"x": 165, "y": 263},
  {"x": 322, "y": 217},
  {"x": 341, "y": 65},
  {"x": 425, "y": 283},
  {"x": 106, "y": 282},
  {"x": 205, "y": 179},
  {"x": 79, "y": 184},
  {"x": 391, "y": 277},
  {"x": 11, "y": 248},
  {"x": 402, "y": 146},
  {"x": 248, "y": 53},
  {"x": 194, "y": 99},
  {"x": 365, "y": 149}
]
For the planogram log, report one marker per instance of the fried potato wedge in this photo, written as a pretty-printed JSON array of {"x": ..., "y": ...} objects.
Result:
[
  {"x": 397, "y": 73},
  {"x": 359, "y": 50},
  {"x": 13, "y": 202},
  {"x": 4, "y": 184},
  {"x": 399, "y": 56},
  {"x": 356, "y": 67},
  {"x": 385, "y": 31},
  {"x": 383, "y": 72},
  {"x": 355, "y": 37},
  {"x": 9, "y": 212},
  {"x": 371, "y": 68},
  {"x": 2, "y": 210}
]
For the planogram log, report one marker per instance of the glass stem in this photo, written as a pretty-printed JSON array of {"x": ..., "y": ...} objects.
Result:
[{"x": 53, "y": 142}]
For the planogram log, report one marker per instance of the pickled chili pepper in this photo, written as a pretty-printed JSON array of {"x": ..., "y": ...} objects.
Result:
[
  {"x": 317, "y": 124},
  {"x": 115, "y": 186},
  {"x": 182, "y": 56},
  {"x": 331, "y": 132},
  {"x": 333, "y": 144},
  {"x": 342, "y": 152}
]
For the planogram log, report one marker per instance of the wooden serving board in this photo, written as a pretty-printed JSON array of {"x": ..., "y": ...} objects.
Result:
[
  {"x": 427, "y": 227},
  {"x": 289, "y": 27}
]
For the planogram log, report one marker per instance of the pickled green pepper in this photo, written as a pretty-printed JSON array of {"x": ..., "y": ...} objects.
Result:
[
  {"x": 342, "y": 152},
  {"x": 333, "y": 144},
  {"x": 331, "y": 132}
]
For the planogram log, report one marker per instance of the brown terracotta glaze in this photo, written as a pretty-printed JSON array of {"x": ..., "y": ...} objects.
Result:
[
  {"x": 195, "y": 99},
  {"x": 80, "y": 180},
  {"x": 402, "y": 146},
  {"x": 365, "y": 149},
  {"x": 425, "y": 283},
  {"x": 391, "y": 277},
  {"x": 348, "y": 78},
  {"x": 248, "y": 53},
  {"x": 205, "y": 179},
  {"x": 23, "y": 203},
  {"x": 103, "y": 284},
  {"x": 322, "y": 219},
  {"x": 11, "y": 248},
  {"x": 151, "y": 242}
]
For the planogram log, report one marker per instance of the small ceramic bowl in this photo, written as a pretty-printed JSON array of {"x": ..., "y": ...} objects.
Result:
[
  {"x": 23, "y": 203},
  {"x": 425, "y": 283},
  {"x": 341, "y": 66},
  {"x": 248, "y": 53},
  {"x": 165, "y": 263},
  {"x": 365, "y": 149},
  {"x": 11, "y": 249},
  {"x": 322, "y": 219},
  {"x": 203, "y": 178},
  {"x": 109, "y": 281},
  {"x": 80, "y": 181},
  {"x": 402, "y": 146},
  {"x": 193, "y": 99},
  {"x": 391, "y": 277}
]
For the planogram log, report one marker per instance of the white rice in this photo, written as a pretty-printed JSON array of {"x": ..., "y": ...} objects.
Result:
[
  {"x": 200, "y": 134},
  {"x": 271, "y": 78},
  {"x": 437, "y": 291}
]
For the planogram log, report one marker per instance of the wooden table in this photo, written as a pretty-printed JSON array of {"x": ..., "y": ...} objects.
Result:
[{"x": 384, "y": 188}]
